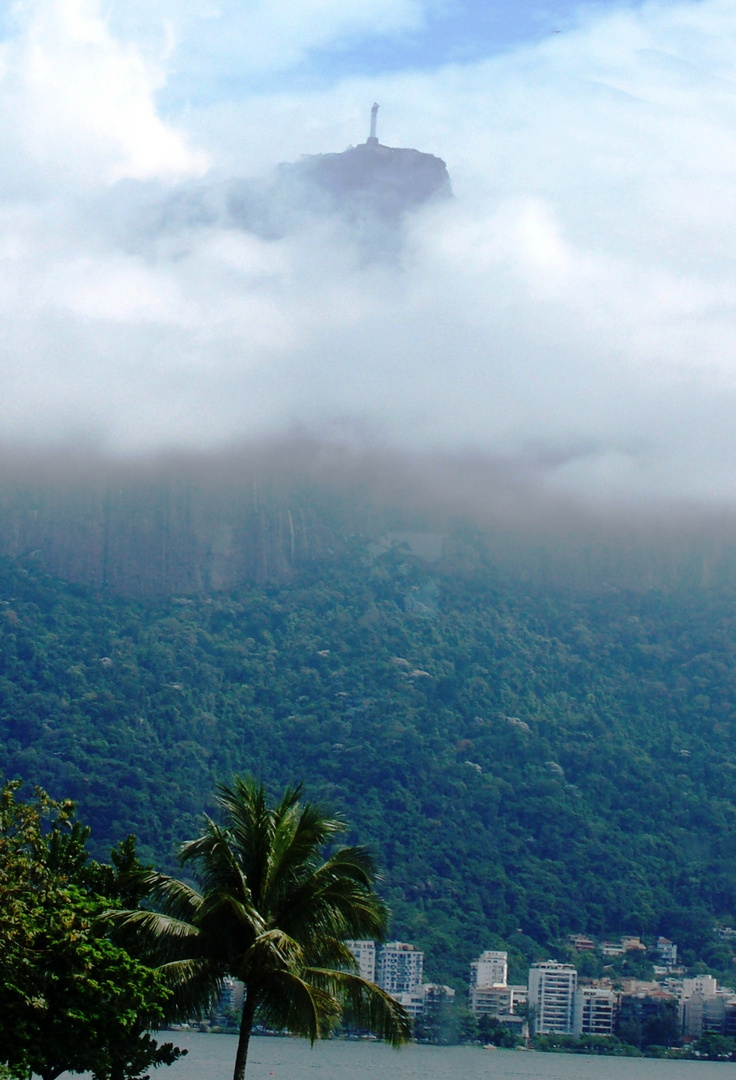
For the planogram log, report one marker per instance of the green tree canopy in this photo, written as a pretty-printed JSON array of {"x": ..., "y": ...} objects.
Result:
[
  {"x": 274, "y": 909},
  {"x": 71, "y": 1000}
]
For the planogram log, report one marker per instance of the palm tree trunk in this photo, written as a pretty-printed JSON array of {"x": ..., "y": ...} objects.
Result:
[{"x": 246, "y": 1026}]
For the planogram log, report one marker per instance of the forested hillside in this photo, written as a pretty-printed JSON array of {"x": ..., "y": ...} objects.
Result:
[{"x": 525, "y": 762}]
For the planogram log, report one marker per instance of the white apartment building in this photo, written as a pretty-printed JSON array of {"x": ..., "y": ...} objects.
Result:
[
  {"x": 551, "y": 989},
  {"x": 704, "y": 1006},
  {"x": 700, "y": 988},
  {"x": 593, "y": 1011},
  {"x": 490, "y": 969},
  {"x": 400, "y": 967},
  {"x": 421, "y": 998},
  {"x": 489, "y": 994},
  {"x": 700, "y": 984},
  {"x": 495, "y": 1000},
  {"x": 412, "y": 1001},
  {"x": 365, "y": 954}
]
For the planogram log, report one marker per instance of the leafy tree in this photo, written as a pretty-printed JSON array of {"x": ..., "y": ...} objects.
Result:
[
  {"x": 645, "y": 1023},
  {"x": 663, "y": 1027},
  {"x": 70, "y": 999},
  {"x": 713, "y": 1046},
  {"x": 588, "y": 964},
  {"x": 468, "y": 1030},
  {"x": 273, "y": 911},
  {"x": 586, "y": 1044},
  {"x": 492, "y": 1030},
  {"x": 442, "y": 1020},
  {"x": 528, "y": 1012},
  {"x": 629, "y": 1030}
]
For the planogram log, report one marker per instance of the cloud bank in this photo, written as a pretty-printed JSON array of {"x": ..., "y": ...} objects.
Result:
[{"x": 574, "y": 304}]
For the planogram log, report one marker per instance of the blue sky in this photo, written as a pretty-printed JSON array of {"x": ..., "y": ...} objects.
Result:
[
  {"x": 574, "y": 304},
  {"x": 433, "y": 34},
  {"x": 212, "y": 60}
]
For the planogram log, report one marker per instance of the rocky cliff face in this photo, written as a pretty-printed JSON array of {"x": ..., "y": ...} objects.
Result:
[
  {"x": 204, "y": 524},
  {"x": 148, "y": 531}
]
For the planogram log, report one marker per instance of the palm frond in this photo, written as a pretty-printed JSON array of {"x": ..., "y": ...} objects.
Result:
[
  {"x": 296, "y": 846},
  {"x": 272, "y": 911},
  {"x": 330, "y": 952},
  {"x": 336, "y": 899},
  {"x": 196, "y": 986},
  {"x": 365, "y": 1004},
  {"x": 177, "y": 898},
  {"x": 272, "y": 951},
  {"x": 356, "y": 861},
  {"x": 222, "y": 907},
  {"x": 250, "y": 826},
  {"x": 288, "y": 1002},
  {"x": 218, "y": 865},
  {"x": 157, "y": 936}
]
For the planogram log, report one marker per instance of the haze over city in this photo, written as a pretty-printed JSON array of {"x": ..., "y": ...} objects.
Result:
[{"x": 572, "y": 306}]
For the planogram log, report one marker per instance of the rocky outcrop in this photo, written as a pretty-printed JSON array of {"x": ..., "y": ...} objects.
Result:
[
  {"x": 370, "y": 189},
  {"x": 369, "y": 180}
]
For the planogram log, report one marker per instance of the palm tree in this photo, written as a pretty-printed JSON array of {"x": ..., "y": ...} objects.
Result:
[{"x": 273, "y": 911}]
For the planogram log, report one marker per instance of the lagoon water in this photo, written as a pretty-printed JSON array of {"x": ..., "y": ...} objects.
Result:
[{"x": 211, "y": 1057}]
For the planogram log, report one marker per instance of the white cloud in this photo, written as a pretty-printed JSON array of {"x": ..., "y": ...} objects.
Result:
[
  {"x": 579, "y": 290},
  {"x": 78, "y": 106}
]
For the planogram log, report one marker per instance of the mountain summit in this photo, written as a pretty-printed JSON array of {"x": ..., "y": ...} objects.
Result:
[
  {"x": 370, "y": 179},
  {"x": 368, "y": 188}
]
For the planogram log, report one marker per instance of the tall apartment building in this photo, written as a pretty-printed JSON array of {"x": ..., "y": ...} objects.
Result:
[
  {"x": 490, "y": 969},
  {"x": 400, "y": 967},
  {"x": 489, "y": 994},
  {"x": 551, "y": 990},
  {"x": 365, "y": 954},
  {"x": 495, "y": 1000},
  {"x": 704, "y": 1006},
  {"x": 701, "y": 987},
  {"x": 593, "y": 1011}
]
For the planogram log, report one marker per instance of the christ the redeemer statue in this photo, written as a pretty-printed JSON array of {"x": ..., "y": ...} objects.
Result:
[{"x": 372, "y": 140}]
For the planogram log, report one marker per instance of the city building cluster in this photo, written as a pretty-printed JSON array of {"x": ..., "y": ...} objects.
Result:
[
  {"x": 398, "y": 968},
  {"x": 555, "y": 1000},
  {"x": 559, "y": 1004}
]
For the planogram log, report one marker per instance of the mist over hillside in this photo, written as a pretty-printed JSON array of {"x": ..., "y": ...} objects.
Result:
[{"x": 165, "y": 524}]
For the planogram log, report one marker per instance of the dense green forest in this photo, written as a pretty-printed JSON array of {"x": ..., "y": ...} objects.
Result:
[{"x": 525, "y": 761}]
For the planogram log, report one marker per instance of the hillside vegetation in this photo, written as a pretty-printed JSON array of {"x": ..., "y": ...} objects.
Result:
[{"x": 525, "y": 762}]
